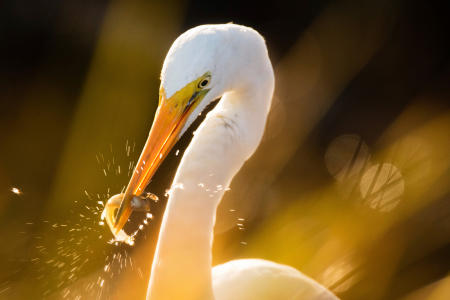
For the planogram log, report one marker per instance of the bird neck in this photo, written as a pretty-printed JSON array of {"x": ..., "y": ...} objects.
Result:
[
  {"x": 182, "y": 263},
  {"x": 223, "y": 142}
]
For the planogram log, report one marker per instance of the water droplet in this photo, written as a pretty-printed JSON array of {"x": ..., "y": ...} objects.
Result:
[{"x": 16, "y": 191}]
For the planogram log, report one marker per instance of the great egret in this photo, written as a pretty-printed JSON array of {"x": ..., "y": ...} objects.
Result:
[{"x": 203, "y": 64}]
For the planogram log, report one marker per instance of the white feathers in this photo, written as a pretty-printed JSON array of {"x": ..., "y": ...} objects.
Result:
[
  {"x": 236, "y": 57},
  {"x": 258, "y": 279},
  {"x": 241, "y": 73}
]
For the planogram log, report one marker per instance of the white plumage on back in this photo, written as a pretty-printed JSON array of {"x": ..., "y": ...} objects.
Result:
[{"x": 258, "y": 279}]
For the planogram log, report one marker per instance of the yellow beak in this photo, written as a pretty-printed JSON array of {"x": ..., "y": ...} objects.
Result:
[{"x": 170, "y": 119}]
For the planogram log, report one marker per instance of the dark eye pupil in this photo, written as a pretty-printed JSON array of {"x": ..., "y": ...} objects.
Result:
[{"x": 204, "y": 83}]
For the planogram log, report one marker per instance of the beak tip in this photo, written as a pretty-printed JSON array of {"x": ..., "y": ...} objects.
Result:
[{"x": 122, "y": 205}]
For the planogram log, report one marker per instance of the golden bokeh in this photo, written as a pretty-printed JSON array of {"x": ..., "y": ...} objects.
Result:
[{"x": 362, "y": 208}]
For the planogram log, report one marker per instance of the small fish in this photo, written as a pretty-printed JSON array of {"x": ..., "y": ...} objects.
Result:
[{"x": 138, "y": 203}]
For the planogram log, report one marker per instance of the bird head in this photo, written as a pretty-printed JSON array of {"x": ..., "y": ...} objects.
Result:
[
  {"x": 188, "y": 85},
  {"x": 201, "y": 65}
]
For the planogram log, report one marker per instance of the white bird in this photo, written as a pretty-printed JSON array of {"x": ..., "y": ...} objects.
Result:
[{"x": 203, "y": 64}]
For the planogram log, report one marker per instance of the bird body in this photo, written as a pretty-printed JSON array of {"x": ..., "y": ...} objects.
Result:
[
  {"x": 258, "y": 279},
  {"x": 207, "y": 62}
]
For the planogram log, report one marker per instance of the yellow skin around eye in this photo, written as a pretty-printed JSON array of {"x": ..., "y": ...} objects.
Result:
[{"x": 182, "y": 96}]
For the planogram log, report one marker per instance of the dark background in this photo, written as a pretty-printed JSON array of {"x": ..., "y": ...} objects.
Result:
[{"x": 79, "y": 79}]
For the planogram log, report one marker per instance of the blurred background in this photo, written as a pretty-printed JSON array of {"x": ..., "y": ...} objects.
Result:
[{"x": 350, "y": 184}]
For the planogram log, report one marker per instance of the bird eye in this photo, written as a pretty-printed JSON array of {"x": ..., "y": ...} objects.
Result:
[{"x": 202, "y": 84}]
